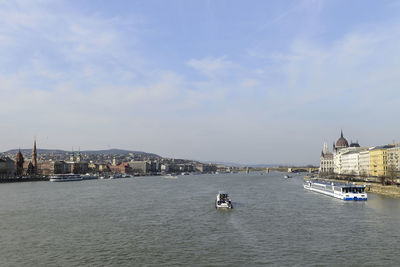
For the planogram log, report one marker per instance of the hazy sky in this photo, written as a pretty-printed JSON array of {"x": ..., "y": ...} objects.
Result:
[{"x": 236, "y": 81}]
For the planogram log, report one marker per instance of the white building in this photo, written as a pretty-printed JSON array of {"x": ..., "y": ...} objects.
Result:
[
  {"x": 363, "y": 163},
  {"x": 351, "y": 160},
  {"x": 338, "y": 150},
  {"x": 393, "y": 157},
  {"x": 346, "y": 158},
  {"x": 350, "y": 163}
]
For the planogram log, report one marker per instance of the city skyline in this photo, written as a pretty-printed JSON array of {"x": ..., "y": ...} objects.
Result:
[{"x": 259, "y": 83}]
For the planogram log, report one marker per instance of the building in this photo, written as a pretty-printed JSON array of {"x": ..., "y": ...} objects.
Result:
[
  {"x": 7, "y": 167},
  {"x": 346, "y": 158},
  {"x": 79, "y": 167},
  {"x": 350, "y": 160},
  {"x": 31, "y": 167},
  {"x": 338, "y": 149},
  {"x": 393, "y": 155},
  {"x": 124, "y": 167},
  {"x": 326, "y": 161},
  {"x": 164, "y": 168},
  {"x": 206, "y": 168},
  {"x": 19, "y": 163},
  {"x": 340, "y": 143},
  {"x": 363, "y": 163},
  {"x": 378, "y": 163},
  {"x": 142, "y": 167}
]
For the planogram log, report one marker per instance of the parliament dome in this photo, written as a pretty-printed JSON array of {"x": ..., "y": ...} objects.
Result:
[{"x": 342, "y": 142}]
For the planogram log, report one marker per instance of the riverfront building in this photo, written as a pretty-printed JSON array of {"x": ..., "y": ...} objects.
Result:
[
  {"x": 394, "y": 158},
  {"x": 338, "y": 149},
  {"x": 379, "y": 161},
  {"x": 363, "y": 163},
  {"x": 326, "y": 161},
  {"x": 7, "y": 167}
]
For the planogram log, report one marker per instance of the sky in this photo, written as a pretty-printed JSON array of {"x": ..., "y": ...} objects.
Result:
[{"x": 251, "y": 82}]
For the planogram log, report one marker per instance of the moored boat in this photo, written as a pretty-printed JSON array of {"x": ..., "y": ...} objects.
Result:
[
  {"x": 223, "y": 201},
  {"x": 337, "y": 190},
  {"x": 65, "y": 178}
]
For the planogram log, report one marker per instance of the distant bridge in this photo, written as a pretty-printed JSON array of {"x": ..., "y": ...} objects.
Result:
[{"x": 294, "y": 169}]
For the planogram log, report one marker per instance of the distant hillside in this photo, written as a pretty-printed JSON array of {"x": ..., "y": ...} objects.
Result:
[{"x": 88, "y": 152}]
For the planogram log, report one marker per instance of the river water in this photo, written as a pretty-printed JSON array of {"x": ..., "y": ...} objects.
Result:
[{"x": 154, "y": 221}]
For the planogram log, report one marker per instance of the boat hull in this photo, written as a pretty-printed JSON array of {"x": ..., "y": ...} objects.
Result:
[
  {"x": 223, "y": 205},
  {"x": 64, "y": 180}
]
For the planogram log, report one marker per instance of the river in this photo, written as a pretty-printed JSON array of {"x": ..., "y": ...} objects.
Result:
[{"x": 154, "y": 221}]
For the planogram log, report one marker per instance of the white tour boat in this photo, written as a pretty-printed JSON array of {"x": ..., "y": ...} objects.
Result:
[
  {"x": 223, "y": 201},
  {"x": 65, "y": 178},
  {"x": 337, "y": 190}
]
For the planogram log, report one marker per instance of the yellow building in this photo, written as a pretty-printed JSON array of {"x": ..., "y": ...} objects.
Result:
[{"x": 378, "y": 161}]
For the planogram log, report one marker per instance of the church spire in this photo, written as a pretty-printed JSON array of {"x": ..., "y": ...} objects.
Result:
[
  {"x": 72, "y": 156},
  {"x": 78, "y": 158},
  {"x": 34, "y": 155}
]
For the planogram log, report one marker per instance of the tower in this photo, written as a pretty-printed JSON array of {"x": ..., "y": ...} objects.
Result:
[
  {"x": 325, "y": 150},
  {"x": 34, "y": 156},
  {"x": 78, "y": 158},
  {"x": 72, "y": 156},
  {"x": 19, "y": 163}
]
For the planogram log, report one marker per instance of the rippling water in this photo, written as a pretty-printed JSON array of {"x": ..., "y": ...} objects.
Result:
[{"x": 155, "y": 221}]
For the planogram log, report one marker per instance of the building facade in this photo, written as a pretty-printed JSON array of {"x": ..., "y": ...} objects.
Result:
[
  {"x": 363, "y": 163},
  {"x": 393, "y": 155},
  {"x": 326, "y": 165},
  {"x": 378, "y": 161},
  {"x": 7, "y": 167},
  {"x": 351, "y": 160}
]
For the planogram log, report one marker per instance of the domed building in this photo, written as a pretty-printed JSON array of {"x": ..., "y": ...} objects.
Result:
[{"x": 341, "y": 142}]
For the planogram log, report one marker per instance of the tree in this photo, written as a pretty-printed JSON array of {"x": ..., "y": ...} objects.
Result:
[
  {"x": 392, "y": 173},
  {"x": 31, "y": 169}
]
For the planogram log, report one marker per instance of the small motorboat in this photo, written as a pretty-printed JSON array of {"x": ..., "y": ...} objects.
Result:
[
  {"x": 223, "y": 201},
  {"x": 287, "y": 176}
]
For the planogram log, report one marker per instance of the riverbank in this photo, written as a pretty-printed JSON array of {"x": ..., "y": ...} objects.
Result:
[{"x": 392, "y": 191}]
